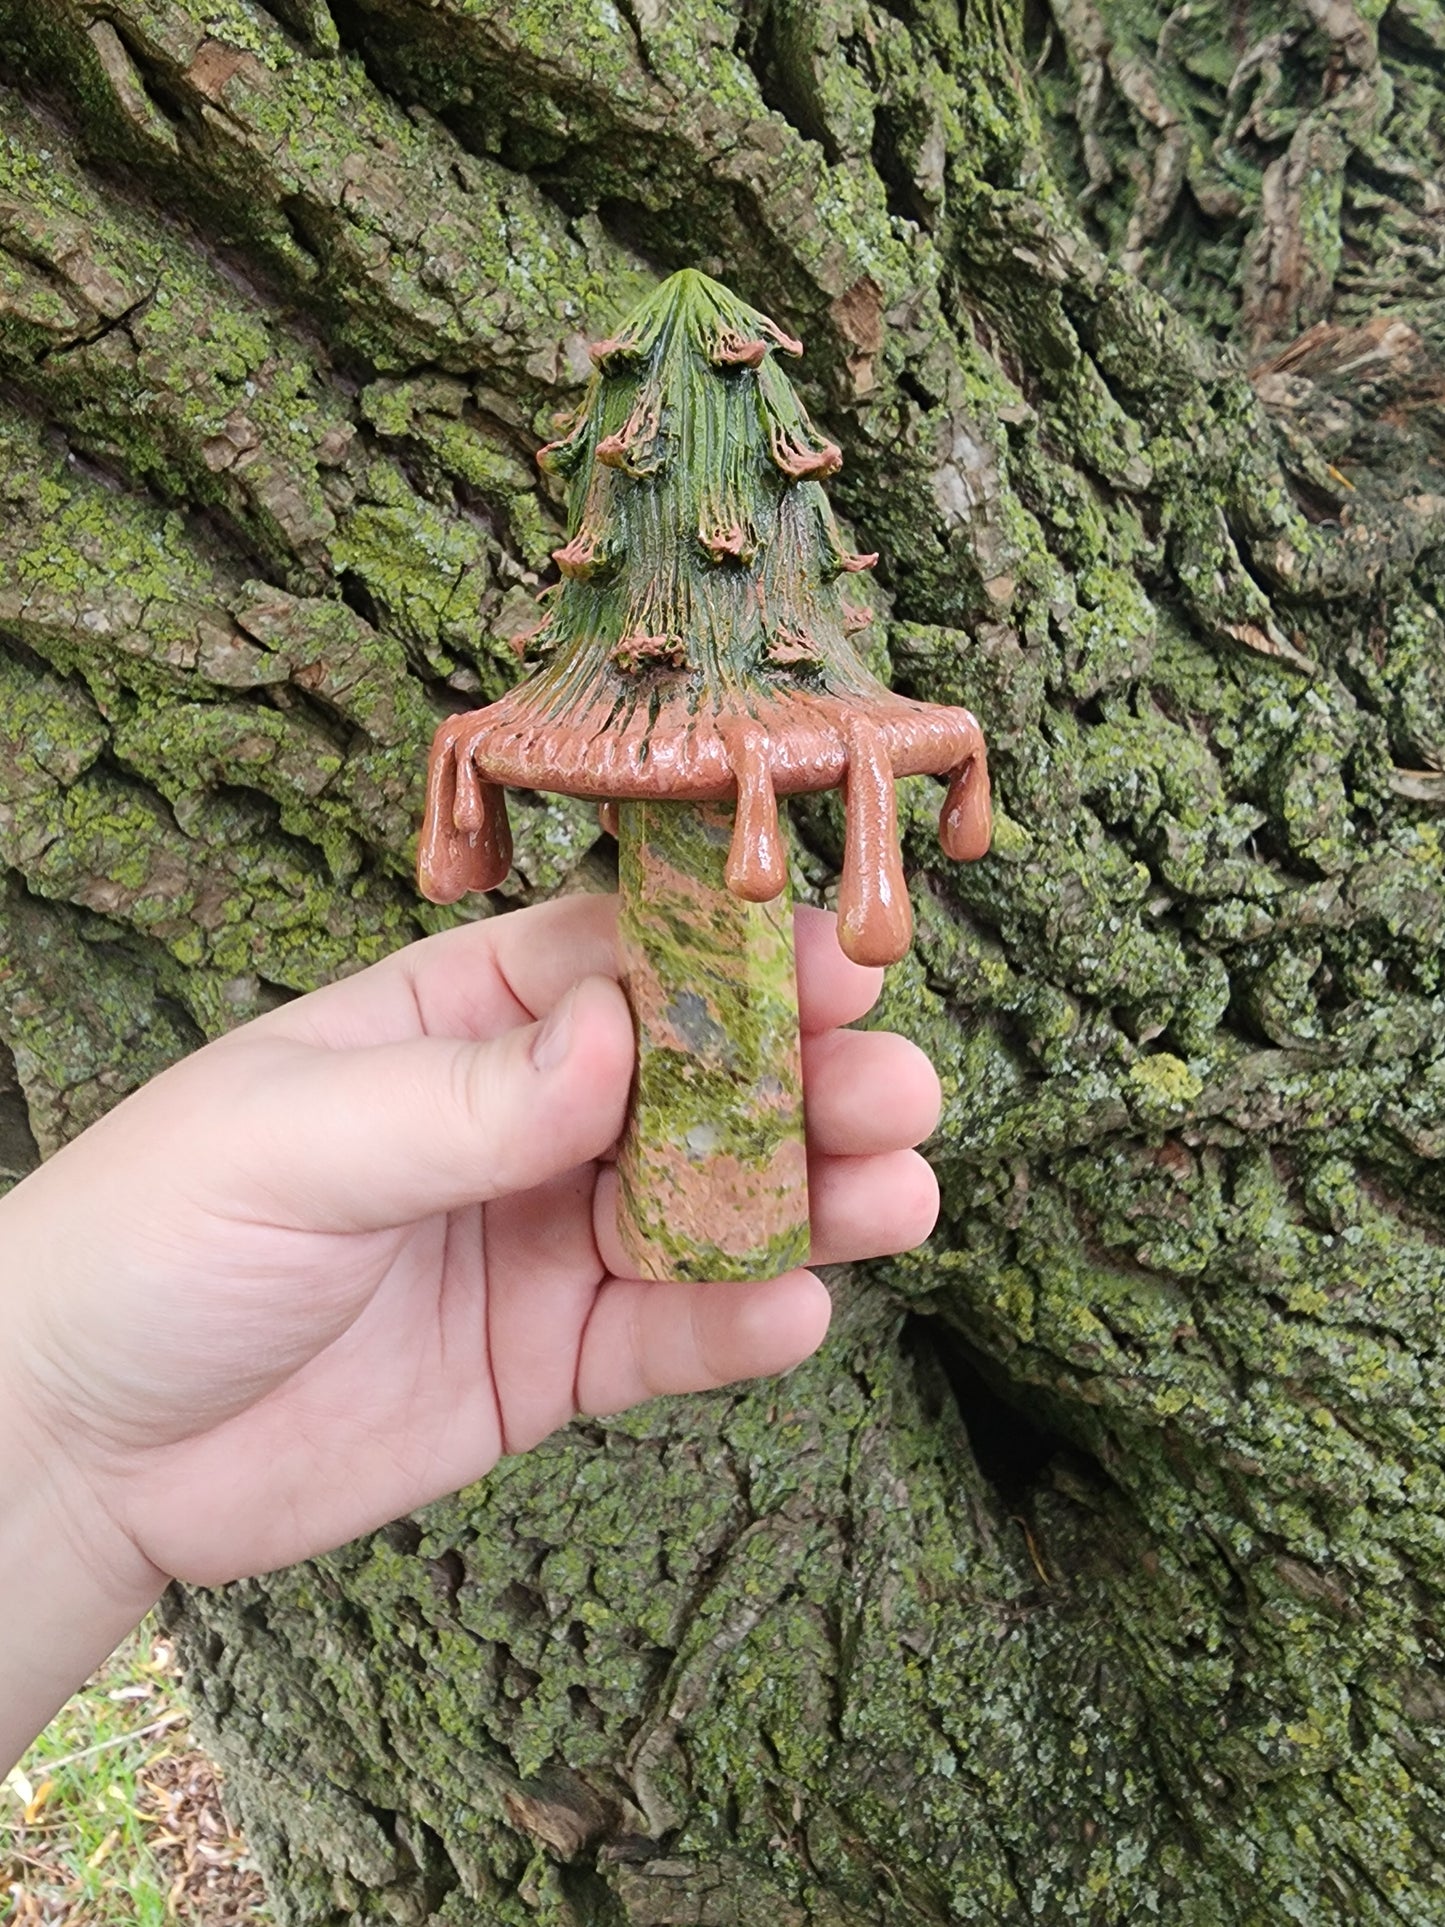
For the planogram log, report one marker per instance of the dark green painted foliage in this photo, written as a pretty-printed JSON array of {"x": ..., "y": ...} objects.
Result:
[
  {"x": 703, "y": 555},
  {"x": 1094, "y": 1571}
]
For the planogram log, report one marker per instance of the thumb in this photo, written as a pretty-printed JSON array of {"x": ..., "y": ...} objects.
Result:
[{"x": 360, "y": 1140}]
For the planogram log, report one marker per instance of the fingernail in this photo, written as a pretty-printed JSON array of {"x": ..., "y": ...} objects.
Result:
[{"x": 554, "y": 1039}]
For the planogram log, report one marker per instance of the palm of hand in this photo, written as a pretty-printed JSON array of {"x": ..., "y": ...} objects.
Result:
[{"x": 337, "y": 1264}]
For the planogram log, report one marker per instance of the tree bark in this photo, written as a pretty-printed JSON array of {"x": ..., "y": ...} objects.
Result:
[{"x": 1093, "y": 1572}]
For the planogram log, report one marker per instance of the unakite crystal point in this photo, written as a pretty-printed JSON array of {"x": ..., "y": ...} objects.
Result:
[
  {"x": 714, "y": 1165},
  {"x": 696, "y": 664}
]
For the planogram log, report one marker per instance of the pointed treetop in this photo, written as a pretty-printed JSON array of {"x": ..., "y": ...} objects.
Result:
[{"x": 705, "y": 313}]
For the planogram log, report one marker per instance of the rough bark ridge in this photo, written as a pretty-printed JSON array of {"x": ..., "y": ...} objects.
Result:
[{"x": 1094, "y": 1574}]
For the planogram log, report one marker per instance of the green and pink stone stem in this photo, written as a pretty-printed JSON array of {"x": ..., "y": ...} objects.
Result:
[
  {"x": 714, "y": 1166},
  {"x": 696, "y": 663}
]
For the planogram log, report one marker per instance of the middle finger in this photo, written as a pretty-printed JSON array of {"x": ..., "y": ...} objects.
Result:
[{"x": 866, "y": 1207}]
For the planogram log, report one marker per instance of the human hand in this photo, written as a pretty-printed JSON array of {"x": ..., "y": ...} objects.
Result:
[{"x": 341, "y": 1261}]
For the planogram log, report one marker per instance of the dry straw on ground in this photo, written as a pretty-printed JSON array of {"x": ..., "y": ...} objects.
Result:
[{"x": 115, "y": 1819}]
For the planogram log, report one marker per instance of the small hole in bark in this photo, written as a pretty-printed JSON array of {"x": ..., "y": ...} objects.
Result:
[
  {"x": 362, "y": 34},
  {"x": 402, "y": 1535},
  {"x": 646, "y": 232},
  {"x": 19, "y": 1153},
  {"x": 910, "y": 385},
  {"x": 305, "y": 229},
  {"x": 358, "y": 598},
  {"x": 1010, "y": 1446},
  {"x": 906, "y": 199},
  {"x": 168, "y": 99},
  {"x": 447, "y": 1573},
  {"x": 517, "y": 1600}
]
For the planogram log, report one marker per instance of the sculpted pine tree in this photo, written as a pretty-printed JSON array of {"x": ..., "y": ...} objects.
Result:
[{"x": 1093, "y": 1572}]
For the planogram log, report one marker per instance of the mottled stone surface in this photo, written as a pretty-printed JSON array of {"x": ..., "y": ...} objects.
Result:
[{"x": 714, "y": 1167}]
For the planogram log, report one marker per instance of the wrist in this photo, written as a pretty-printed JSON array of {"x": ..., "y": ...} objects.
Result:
[{"x": 72, "y": 1583}]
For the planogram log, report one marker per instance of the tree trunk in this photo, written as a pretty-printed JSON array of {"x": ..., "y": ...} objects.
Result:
[{"x": 1093, "y": 1572}]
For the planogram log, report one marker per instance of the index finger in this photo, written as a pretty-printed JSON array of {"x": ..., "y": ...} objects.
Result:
[
  {"x": 475, "y": 981},
  {"x": 483, "y": 978}
]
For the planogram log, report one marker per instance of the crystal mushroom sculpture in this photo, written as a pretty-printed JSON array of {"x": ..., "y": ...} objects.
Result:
[{"x": 696, "y": 664}]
